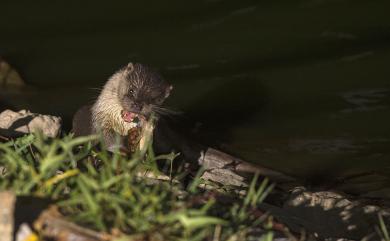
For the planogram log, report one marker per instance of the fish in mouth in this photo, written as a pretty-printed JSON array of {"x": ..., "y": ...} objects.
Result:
[{"x": 131, "y": 117}]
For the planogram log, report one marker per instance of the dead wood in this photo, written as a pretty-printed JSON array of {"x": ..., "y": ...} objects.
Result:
[{"x": 51, "y": 224}]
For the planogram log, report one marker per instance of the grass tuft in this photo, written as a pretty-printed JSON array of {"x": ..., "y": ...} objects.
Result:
[{"x": 106, "y": 191}]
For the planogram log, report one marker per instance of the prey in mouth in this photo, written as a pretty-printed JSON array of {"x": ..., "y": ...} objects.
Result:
[
  {"x": 134, "y": 120},
  {"x": 130, "y": 117}
]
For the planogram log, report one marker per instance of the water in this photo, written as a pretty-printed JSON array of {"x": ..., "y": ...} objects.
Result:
[{"x": 299, "y": 86}]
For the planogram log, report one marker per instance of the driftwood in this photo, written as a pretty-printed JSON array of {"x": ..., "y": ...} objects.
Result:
[
  {"x": 51, "y": 224},
  {"x": 228, "y": 170}
]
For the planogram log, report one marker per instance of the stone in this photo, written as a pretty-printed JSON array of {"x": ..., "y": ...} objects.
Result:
[
  {"x": 9, "y": 77},
  {"x": 328, "y": 214},
  {"x": 14, "y": 124}
]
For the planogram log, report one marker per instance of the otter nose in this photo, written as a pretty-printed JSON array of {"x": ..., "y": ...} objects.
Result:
[{"x": 137, "y": 107}]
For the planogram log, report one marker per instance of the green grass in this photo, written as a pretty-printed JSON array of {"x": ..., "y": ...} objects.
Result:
[
  {"x": 105, "y": 191},
  {"x": 383, "y": 230}
]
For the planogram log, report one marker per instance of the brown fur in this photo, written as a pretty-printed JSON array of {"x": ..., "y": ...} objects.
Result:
[{"x": 135, "y": 88}]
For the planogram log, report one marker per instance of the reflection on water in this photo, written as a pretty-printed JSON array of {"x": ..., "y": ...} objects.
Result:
[
  {"x": 366, "y": 100},
  {"x": 302, "y": 87},
  {"x": 319, "y": 146}
]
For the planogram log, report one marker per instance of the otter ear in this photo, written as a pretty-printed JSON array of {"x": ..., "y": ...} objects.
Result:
[
  {"x": 129, "y": 68},
  {"x": 168, "y": 91}
]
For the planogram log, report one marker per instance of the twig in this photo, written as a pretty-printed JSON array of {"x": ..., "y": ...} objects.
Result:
[
  {"x": 51, "y": 224},
  {"x": 4, "y": 138}
]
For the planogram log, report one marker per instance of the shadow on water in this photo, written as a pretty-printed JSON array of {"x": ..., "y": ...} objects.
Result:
[{"x": 227, "y": 105}]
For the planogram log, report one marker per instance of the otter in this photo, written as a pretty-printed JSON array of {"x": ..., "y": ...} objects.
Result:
[{"x": 130, "y": 99}]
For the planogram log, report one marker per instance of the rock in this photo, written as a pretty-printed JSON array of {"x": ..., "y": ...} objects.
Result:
[
  {"x": 25, "y": 233},
  {"x": 329, "y": 215},
  {"x": 8, "y": 76},
  {"x": 14, "y": 124}
]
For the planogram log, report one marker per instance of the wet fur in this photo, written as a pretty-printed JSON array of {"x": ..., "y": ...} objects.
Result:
[{"x": 133, "y": 85}]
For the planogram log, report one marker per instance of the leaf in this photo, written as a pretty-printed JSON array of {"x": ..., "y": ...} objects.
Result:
[
  {"x": 108, "y": 183},
  {"x": 93, "y": 206},
  {"x": 383, "y": 228},
  {"x": 259, "y": 192},
  {"x": 197, "y": 222},
  {"x": 59, "y": 177},
  {"x": 23, "y": 142},
  {"x": 197, "y": 180},
  {"x": 81, "y": 140},
  {"x": 90, "y": 182}
]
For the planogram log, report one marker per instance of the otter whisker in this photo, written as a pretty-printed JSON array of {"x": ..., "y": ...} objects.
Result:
[{"x": 165, "y": 111}]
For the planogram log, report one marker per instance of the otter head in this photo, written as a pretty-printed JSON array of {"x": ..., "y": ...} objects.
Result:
[{"x": 141, "y": 92}]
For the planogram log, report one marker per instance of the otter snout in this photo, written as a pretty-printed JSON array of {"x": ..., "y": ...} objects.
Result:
[
  {"x": 136, "y": 108},
  {"x": 131, "y": 106}
]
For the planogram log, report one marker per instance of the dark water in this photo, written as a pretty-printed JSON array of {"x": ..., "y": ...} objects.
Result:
[{"x": 300, "y": 86}]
